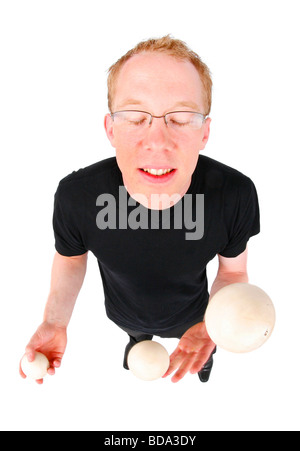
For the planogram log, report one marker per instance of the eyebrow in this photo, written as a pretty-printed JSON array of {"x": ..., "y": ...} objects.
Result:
[
  {"x": 181, "y": 104},
  {"x": 130, "y": 102},
  {"x": 187, "y": 104}
]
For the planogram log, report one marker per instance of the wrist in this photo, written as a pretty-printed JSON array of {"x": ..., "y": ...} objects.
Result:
[
  {"x": 57, "y": 311},
  {"x": 54, "y": 323}
]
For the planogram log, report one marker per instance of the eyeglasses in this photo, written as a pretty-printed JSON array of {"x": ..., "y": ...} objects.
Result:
[{"x": 177, "y": 120}]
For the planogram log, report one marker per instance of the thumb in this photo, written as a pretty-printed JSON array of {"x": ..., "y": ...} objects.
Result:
[
  {"x": 30, "y": 353},
  {"x": 33, "y": 345}
]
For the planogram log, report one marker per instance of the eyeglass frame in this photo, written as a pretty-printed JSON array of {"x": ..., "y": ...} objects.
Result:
[{"x": 159, "y": 117}]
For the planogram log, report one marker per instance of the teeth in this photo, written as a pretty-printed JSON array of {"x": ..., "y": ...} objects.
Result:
[{"x": 157, "y": 171}]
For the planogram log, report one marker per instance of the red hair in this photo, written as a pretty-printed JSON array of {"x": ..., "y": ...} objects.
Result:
[{"x": 170, "y": 46}]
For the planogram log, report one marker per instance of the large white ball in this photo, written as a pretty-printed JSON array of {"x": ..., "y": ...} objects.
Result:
[
  {"x": 36, "y": 369},
  {"x": 240, "y": 317},
  {"x": 148, "y": 360}
]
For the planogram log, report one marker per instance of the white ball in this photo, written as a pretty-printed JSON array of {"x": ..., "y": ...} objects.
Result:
[
  {"x": 36, "y": 369},
  {"x": 148, "y": 360},
  {"x": 240, "y": 317}
]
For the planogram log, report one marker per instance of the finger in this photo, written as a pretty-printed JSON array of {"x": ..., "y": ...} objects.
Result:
[
  {"x": 51, "y": 371},
  {"x": 200, "y": 361},
  {"x": 175, "y": 361},
  {"x": 175, "y": 353},
  {"x": 34, "y": 344},
  {"x": 172, "y": 367},
  {"x": 39, "y": 381},
  {"x": 53, "y": 365},
  {"x": 184, "y": 368},
  {"x": 56, "y": 363},
  {"x": 30, "y": 353},
  {"x": 198, "y": 365},
  {"x": 22, "y": 374}
]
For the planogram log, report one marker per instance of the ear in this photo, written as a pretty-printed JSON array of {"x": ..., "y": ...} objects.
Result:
[
  {"x": 206, "y": 131},
  {"x": 109, "y": 128}
]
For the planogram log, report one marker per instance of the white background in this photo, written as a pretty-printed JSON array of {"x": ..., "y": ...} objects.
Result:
[{"x": 54, "y": 58}]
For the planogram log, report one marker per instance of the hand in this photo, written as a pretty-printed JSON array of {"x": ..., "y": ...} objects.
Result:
[
  {"x": 192, "y": 352},
  {"x": 51, "y": 341}
]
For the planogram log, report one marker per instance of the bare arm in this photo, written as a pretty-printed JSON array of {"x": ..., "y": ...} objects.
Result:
[
  {"x": 231, "y": 270},
  {"x": 66, "y": 280}
]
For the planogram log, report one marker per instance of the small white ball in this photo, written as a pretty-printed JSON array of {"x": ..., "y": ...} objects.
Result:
[
  {"x": 148, "y": 360},
  {"x": 36, "y": 369}
]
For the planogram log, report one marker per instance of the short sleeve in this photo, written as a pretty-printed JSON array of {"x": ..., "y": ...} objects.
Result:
[
  {"x": 244, "y": 219},
  {"x": 67, "y": 223}
]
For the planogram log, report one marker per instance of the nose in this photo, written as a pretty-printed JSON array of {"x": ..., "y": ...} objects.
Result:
[{"x": 157, "y": 136}]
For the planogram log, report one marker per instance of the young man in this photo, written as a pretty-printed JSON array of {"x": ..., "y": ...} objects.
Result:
[{"x": 154, "y": 216}]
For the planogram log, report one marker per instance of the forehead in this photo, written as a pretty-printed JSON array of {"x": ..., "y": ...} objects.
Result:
[{"x": 152, "y": 76}]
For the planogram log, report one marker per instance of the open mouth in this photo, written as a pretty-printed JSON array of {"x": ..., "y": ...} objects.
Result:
[{"x": 159, "y": 173}]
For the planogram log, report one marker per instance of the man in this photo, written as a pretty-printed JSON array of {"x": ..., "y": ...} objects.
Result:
[{"x": 154, "y": 216}]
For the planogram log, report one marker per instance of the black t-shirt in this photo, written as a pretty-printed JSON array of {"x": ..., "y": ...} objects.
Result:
[{"x": 154, "y": 273}]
